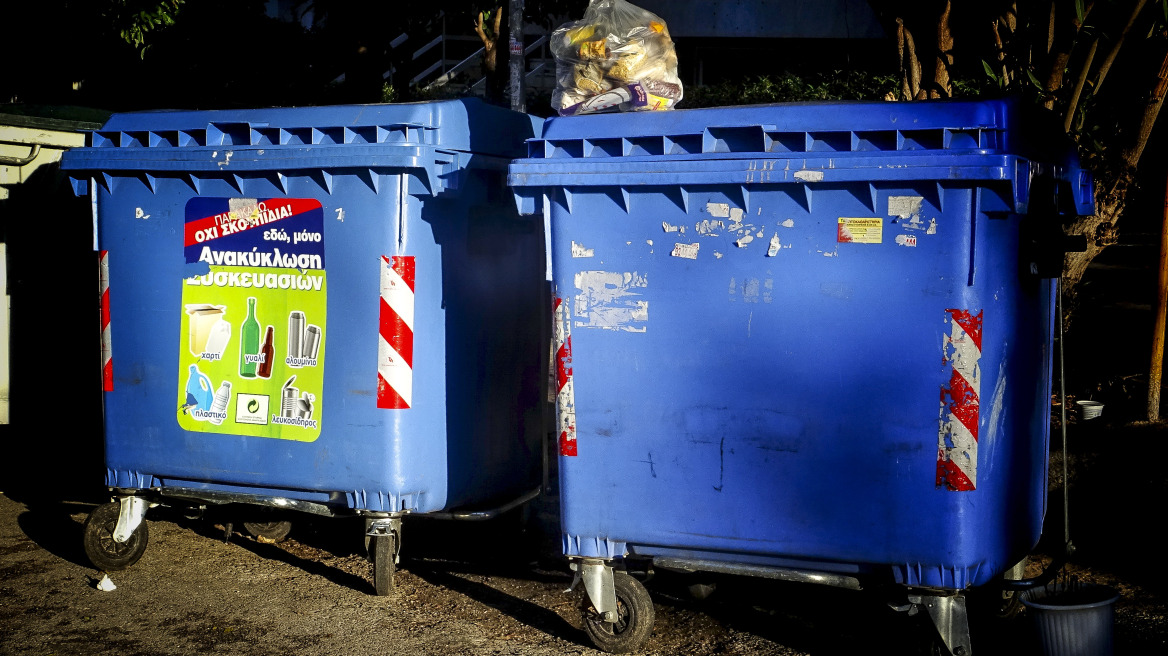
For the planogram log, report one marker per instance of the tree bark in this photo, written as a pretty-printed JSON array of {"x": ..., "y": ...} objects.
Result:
[
  {"x": 1111, "y": 55},
  {"x": 1073, "y": 104},
  {"x": 1110, "y": 202},
  {"x": 490, "y": 43},
  {"x": 941, "y": 86},
  {"x": 1062, "y": 43}
]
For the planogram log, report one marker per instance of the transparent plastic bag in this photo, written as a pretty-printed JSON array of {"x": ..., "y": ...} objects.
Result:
[{"x": 618, "y": 57}]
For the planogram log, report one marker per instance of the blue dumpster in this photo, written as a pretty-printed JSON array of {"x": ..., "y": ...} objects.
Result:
[
  {"x": 328, "y": 309},
  {"x": 809, "y": 341}
]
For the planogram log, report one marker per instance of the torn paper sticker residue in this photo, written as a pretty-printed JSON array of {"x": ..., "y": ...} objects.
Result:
[
  {"x": 708, "y": 228},
  {"x": 578, "y": 250},
  {"x": 611, "y": 300},
  {"x": 736, "y": 216},
  {"x": 906, "y": 240},
  {"x": 809, "y": 176},
  {"x": 688, "y": 251},
  {"x": 905, "y": 207},
  {"x": 718, "y": 210},
  {"x": 746, "y": 239},
  {"x": 789, "y": 223},
  {"x": 672, "y": 228}
]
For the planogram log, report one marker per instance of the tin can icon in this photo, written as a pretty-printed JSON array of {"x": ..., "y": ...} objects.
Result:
[
  {"x": 289, "y": 399},
  {"x": 304, "y": 405},
  {"x": 310, "y": 347},
  {"x": 295, "y": 335}
]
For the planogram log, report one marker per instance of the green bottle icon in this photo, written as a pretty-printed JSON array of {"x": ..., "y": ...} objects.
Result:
[{"x": 249, "y": 342}]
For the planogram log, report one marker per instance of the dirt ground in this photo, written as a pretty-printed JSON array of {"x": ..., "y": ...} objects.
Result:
[{"x": 474, "y": 588}]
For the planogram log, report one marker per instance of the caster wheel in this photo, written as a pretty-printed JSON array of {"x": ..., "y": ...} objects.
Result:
[
  {"x": 634, "y": 623},
  {"x": 383, "y": 564},
  {"x": 106, "y": 553},
  {"x": 273, "y": 531}
]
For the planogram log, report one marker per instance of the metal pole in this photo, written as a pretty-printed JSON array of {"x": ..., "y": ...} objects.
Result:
[
  {"x": 1063, "y": 417},
  {"x": 516, "y": 60},
  {"x": 1161, "y": 314}
]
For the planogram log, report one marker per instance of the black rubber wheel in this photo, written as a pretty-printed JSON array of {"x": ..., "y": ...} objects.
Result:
[
  {"x": 274, "y": 531},
  {"x": 634, "y": 624},
  {"x": 106, "y": 553},
  {"x": 383, "y": 564}
]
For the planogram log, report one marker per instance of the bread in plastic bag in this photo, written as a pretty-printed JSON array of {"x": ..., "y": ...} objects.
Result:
[{"x": 618, "y": 57}]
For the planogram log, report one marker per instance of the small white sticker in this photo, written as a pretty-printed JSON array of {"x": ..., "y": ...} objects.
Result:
[
  {"x": 688, "y": 251},
  {"x": 139, "y": 214},
  {"x": 717, "y": 255},
  {"x": 809, "y": 176},
  {"x": 746, "y": 239},
  {"x": 774, "y": 247},
  {"x": 906, "y": 240},
  {"x": 789, "y": 223},
  {"x": 932, "y": 227},
  {"x": 671, "y": 228}
]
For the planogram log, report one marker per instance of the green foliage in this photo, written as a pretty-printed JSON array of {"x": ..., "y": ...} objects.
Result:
[
  {"x": 389, "y": 93},
  {"x": 790, "y": 87},
  {"x": 136, "y": 19}
]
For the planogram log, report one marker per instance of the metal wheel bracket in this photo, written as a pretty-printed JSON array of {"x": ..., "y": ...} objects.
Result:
[
  {"x": 131, "y": 512},
  {"x": 386, "y": 526},
  {"x": 598, "y": 583},
  {"x": 951, "y": 619}
]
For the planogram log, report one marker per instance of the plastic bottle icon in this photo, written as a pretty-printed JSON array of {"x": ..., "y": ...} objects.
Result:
[
  {"x": 200, "y": 392},
  {"x": 219, "y": 405},
  {"x": 249, "y": 341},
  {"x": 267, "y": 354}
]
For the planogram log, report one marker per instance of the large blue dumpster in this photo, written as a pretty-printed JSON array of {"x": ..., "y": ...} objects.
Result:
[
  {"x": 810, "y": 341},
  {"x": 329, "y": 309}
]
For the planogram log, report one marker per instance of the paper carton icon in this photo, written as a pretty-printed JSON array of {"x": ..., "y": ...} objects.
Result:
[{"x": 203, "y": 318}]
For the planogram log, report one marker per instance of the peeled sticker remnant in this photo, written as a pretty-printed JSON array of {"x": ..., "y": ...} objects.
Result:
[
  {"x": 718, "y": 210},
  {"x": 688, "y": 251},
  {"x": 611, "y": 300},
  {"x": 578, "y": 250}
]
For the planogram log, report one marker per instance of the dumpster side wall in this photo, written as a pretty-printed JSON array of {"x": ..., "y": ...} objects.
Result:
[
  {"x": 470, "y": 433},
  {"x": 750, "y": 386}
]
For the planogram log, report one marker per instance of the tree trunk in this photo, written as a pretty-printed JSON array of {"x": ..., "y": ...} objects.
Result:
[{"x": 942, "y": 88}]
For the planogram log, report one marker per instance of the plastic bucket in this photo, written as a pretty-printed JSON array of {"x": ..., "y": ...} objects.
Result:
[
  {"x": 1075, "y": 620},
  {"x": 1089, "y": 409}
]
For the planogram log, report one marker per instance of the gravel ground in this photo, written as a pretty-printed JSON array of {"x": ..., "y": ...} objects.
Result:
[{"x": 481, "y": 589}]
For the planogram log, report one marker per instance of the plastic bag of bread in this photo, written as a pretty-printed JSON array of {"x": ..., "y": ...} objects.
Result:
[{"x": 618, "y": 57}]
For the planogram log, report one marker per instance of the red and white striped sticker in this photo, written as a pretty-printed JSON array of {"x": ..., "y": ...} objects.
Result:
[
  {"x": 960, "y": 405},
  {"x": 565, "y": 396},
  {"x": 107, "y": 352},
  {"x": 395, "y": 352}
]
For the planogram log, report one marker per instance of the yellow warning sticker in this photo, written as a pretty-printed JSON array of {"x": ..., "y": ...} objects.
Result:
[{"x": 860, "y": 231}]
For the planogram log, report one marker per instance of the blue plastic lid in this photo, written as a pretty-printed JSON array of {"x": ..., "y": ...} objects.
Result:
[
  {"x": 301, "y": 136},
  {"x": 812, "y": 127},
  {"x": 828, "y": 142}
]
